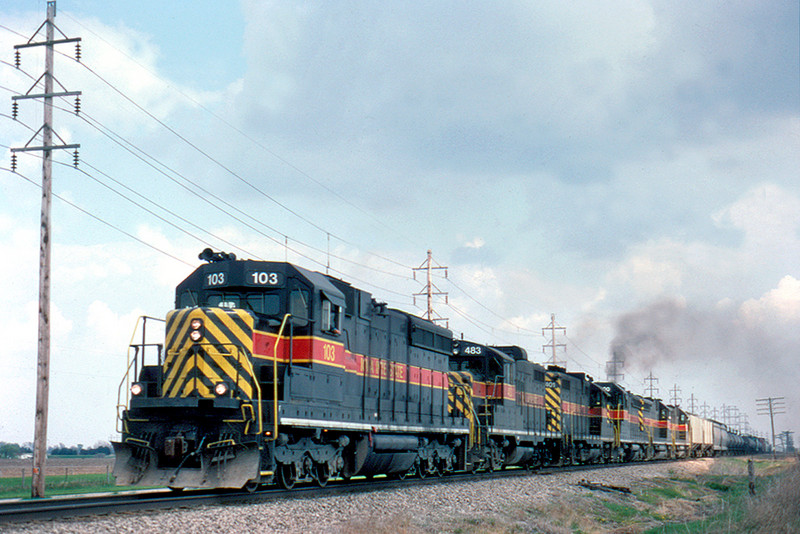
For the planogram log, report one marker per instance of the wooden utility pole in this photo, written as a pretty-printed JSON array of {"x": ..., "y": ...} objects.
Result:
[
  {"x": 45, "y": 241},
  {"x": 771, "y": 406}
]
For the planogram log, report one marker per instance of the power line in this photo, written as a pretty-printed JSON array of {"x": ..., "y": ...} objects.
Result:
[
  {"x": 263, "y": 147},
  {"x": 99, "y": 127},
  {"x": 103, "y": 221}
]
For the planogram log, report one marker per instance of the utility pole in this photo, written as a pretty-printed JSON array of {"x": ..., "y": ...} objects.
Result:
[
  {"x": 675, "y": 398},
  {"x": 47, "y": 147},
  {"x": 771, "y": 406},
  {"x": 553, "y": 345},
  {"x": 651, "y": 390},
  {"x": 430, "y": 290}
]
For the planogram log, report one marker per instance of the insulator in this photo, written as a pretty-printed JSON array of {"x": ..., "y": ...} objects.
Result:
[
  {"x": 77, "y": 105},
  {"x": 14, "y": 109},
  {"x": 75, "y": 158},
  {"x": 78, "y": 51},
  {"x": 13, "y": 162},
  {"x": 17, "y": 59}
]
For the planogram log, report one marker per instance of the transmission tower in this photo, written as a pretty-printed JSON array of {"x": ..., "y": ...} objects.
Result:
[
  {"x": 47, "y": 147},
  {"x": 692, "y": 404},
  {"x": 675, "y": 399},
  {"x": 430, "y": 290},
  {"x": 552, "y": 327},
  {"x": 651, "y": 390}
]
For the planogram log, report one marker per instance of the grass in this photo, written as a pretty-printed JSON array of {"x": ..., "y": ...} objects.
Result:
[
  {"x": 774, "y": 508},
  {"x": 713, "y": 502},
  {"x": 16, "y": 488}
]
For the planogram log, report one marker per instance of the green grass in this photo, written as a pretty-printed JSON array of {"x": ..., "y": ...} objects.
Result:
[
  {"x": 620, "y": 513},
  {"x": 14, "y": 488},
  {"x": 774, "y": 508}
]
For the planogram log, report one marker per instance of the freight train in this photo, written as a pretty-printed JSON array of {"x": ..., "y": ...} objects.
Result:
[{"x": 271, "y": 373}]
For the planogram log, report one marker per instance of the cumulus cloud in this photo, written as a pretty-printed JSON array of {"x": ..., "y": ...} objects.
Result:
[{"x": 779, "y": 306}]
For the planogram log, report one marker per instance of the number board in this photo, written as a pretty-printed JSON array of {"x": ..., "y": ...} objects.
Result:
[
  {"x": 263, "y": 278},
  {"x": 216, "y": 279}
]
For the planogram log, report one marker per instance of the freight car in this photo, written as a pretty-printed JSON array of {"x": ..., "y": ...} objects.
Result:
[{"x": 270, "y": 373}]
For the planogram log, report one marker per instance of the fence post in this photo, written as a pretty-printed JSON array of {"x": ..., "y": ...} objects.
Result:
[
  {"x": 23, "y": 478},
  {"x": 108, "y": 478}
]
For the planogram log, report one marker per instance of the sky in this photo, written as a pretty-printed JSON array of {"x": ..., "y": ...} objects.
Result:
[{"x": 630, "y": 167}]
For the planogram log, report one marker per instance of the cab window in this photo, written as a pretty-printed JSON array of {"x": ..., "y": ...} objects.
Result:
[
  {"x": 187, "y": 299},
  {"x": 331, "y": 317},
  {"x": 268, "y": 304},
  {"x": 298, "y": 303}
]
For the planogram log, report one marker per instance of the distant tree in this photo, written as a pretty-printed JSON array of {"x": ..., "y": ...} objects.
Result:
[
  {"x": 63, "y": 450},
  {"x": 10, "y": 450},
  {"x": 100, "y": 447}
]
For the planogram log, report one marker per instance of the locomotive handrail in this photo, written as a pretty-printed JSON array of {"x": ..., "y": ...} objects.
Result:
[
  {"x": 275, "y": 376},
  {"x": 131, "y": 362},
  {"x": 258, "y": 389}
]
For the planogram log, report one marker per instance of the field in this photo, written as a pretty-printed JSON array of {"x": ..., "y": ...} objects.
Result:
[
  {"x": 55, "y": 466},
  {"x": 714, "y": 499},
  {"x": 63, "y": 475}
]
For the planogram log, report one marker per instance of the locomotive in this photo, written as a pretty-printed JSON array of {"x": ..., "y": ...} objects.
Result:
[{"x": 271, "y": 373}]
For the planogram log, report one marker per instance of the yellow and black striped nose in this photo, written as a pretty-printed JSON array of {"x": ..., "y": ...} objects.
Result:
[
  {"x": 459, "y": 400},
  {"x": 641, "y": 417},
  {"x": 459, "y": 395},
  {"x": 552, "y": 401},
  {"x": 205, "y": 347}
]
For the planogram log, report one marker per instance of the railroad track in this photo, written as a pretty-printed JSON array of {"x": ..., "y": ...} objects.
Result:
[{"x": 22, "y": 510}]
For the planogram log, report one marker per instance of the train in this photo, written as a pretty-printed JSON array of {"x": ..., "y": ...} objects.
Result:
[{"x": 270, "y": 373}]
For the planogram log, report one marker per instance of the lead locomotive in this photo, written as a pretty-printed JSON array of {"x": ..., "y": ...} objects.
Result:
[{"x": 273, "y": 373}]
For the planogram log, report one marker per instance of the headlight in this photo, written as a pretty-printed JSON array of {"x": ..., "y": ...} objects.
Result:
[
  {"x": 197, "y": 330},
  {"x": 136, "y": 389},
  {"x": 220, "y": 389}
]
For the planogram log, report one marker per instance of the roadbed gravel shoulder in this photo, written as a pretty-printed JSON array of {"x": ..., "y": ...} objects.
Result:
[{"x": 433, "y": 508}]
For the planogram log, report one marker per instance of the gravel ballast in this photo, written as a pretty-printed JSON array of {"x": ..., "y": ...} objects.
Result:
[{"x": 431, "y": 508}]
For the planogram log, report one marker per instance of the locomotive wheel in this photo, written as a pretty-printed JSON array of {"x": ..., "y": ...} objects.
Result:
[
  {"x": 287, "y": 476},
  {"x": 422, "y": 469},
  {"x": 441, "y": 467},
  {"x": 322, "y": 473},
  {"x": 251, "y": 486}
]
